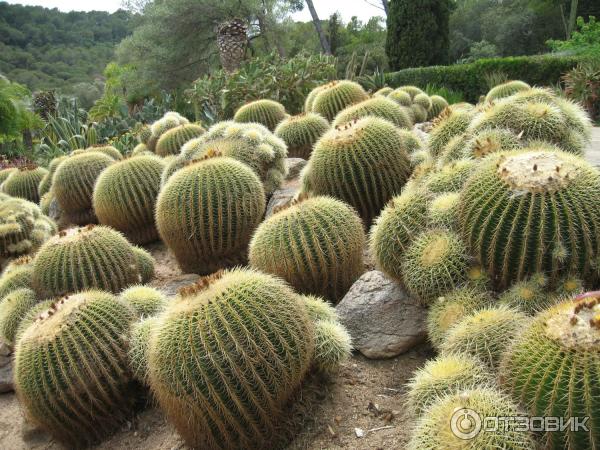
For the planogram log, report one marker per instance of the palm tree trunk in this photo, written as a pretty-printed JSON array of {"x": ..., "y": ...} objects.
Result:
[{"x": 315, "y": 18}]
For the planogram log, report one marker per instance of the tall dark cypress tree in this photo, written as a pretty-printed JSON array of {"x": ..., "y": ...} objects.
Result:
[{"x": 417, "y": 33}]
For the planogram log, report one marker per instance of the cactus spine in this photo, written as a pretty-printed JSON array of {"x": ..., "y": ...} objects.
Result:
[
  {"x": 316, "y": 246},
  {"x": 300, "y": 133},
  {"x": 13, "y": 308},
  {"x": 226, "y": 357},
  {"x": 125, "y": 196},
  {"x": 362, "y": 163},
  {"x": 171, "y": 142},
  {"x": 265, "y": 112},
  {"x": 23, "y": 227},
  {"x": 207, "y": 212},
  {"x": 71, "y": 372},
  {"x": 145, "y": 263},
  {"x": 527, "y": 212},
  {"x": 23, "y": 183},
  {"x": 438, "y": 104},
  {"x": 337, "y": 96},
  {"x": 447, "y": 125},
  {"x": 84, "y": 258},
  {"x": 145, "y": 300},
  {"x": 379, "y": 107},
  {"x": 16, "y": 275},
  {"x": 506, "y": 90}
]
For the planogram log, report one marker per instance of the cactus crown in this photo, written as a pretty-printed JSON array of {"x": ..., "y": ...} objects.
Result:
[
  {"x": 536, "y": 171},
  {"x": 576, "y": 324}
]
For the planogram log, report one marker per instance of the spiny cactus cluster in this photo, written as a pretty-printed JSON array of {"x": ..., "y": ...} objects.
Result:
[
  {"x": 17, "y": 274},
  {"x": 24, "y": 181},
  {"x": 506, "y": 90},
  {"x": 107, "y": 150},
  {"x": 301, "y": 132},
  {"x": 171, "y": 141},
  {"x": 170, "y": 120},
  {"x": 316, "y": 245},
  {"x": 378, "y": 107},
  {"x": 336, "y": 96},
  {"x": 421, "y": 106},
  {"x": 268, "y": 113}
]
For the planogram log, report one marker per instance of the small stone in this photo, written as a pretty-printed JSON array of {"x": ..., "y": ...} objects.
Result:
[
  {"x": 294, "y": 167},
  {"x": 383, "y": 320},
  {"x": 170, "y": 287},
  {"x": 5, "y": 349},
  {"x": 359, "y": 432},
  {"x": 6, "y": 378},
  {"x": 280, "y": 198}
]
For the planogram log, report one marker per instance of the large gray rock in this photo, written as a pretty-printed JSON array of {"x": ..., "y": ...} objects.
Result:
[
  {"x": 6, "y": 378},
  {"x": 280, "y": 198},
  {"x": 294, "y": 167},
  {"x": 383, "y": 320}
]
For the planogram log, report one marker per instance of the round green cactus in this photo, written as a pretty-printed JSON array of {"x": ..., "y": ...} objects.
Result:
[
  {"x": 506, "y": 90},
  {"x": 207, "y": 212},
  {"x": 32, "y": 314},
  {"x": 18, "y": 274},
  {"x": 46, "y": 182},
  {"x": 451, "y": 177},
  {"x": 424, "y": 100},
  {"x": 526, "y": 212},
  {"x": 245, "y": 335},
  {"x": 454, "y": 150},
  {"x": 249, "y": 143},
  {"x": 13, "y": 307},
  {"x": 529, "y": 296},
  {"x": 450, "y": 309},
  {"x": 333, "y": 346},
  {"x": 171, "y": 141},
  {"x": 265, "y": 112},
  {"x": 553, "y": 369},
  {"x": 144, "y": 134},
  {"x": 107, "y": 150},
  {"x": 73, "y": 185},
  {"x": 446, "y": 375},
  {"x": 447, "y": 125},
  {"x": 139, "y": 342},
  {"x": 310, "y": 98},
  {"x": 5, "y": 173},
  {"x": 383, "y": 92},
  {"x": 145, "y": 263},
  {"x": 377, "y": 106},
  {"x": 301, "y": 132},
  {"x": 531, "y": 121},
  {"x": 125, "y": 196},
  {"x": 84, "y": 258},
  {"x": 443, "y": 210},
  {"x": 23, "y": 182},
  {"x": 438, "y": 104},
  {"x": 337, "y": 96},
  {"x": 362, "y": 163},
  {"x": 140, "y": 149},
  {"x": 413, "y": 91},
  {"x": 396, "y": 227},
  {"x": 434, "y": 264},
  {"x": 81, "y": 341},
  {"x": 145, "y": 300},
  {"x": 45, "y": 202},
  {"x": 157, "y": 129},
  {"x": 319, "y": 309},
  {"x": 401, "y": 97},
  {"x": 315, "y": 245},
  {"x": 419, "y": 113},
  {"x": 485, "y": 334},
  {"x": 410, "y": 141},
  {"x": 455, "y": 420},
  {"x": 490, "y": 141},
  {"x": 422, "y": 164}
]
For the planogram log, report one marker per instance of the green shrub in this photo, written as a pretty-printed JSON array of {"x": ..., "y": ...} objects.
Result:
[{"x": 469, "y": 79}]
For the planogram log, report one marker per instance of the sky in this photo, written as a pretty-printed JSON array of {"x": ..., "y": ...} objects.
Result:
[{"x": 325, "y": 8}]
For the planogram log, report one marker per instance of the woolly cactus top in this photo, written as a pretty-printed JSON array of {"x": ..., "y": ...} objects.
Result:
[
  {"x": 575, "y": 324},
  {"x": 436, "y": 250}
]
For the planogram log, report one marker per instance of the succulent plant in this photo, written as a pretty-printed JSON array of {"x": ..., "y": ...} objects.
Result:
[
  {"x": 265, "y": 112},
  {"x": 424, "y": 101},
  {"x": 410, "y": 141},
  {"x": 45, "y": 202},
  {"x": 125, "y": 196},
  {"x": 447, "y": 125},
  {"x": 337, "y": 96},
  {"x": 413, "y": 91},
  {"x": 454, "y": 150},
  {"x": 310, "y": 98},
  {"x": 419, "y": 114},
  {"x": 383, "y": 92},
  {"x": 490, "y": 141},
  {"x": 438, "y": 104},
  {"x": 532, "y": 122},
  {"x": 17, "y": 274},
  {"x": 140, "y": 149},
  {"x": 422, "y": 163},
  {"x": 107, "y": 150},
  {"x": 23, "y": 183},
  {"x": 157, "y": 129},
  {"x": 171, "y": 141},
  {"x": 206, "y": 213},
  {"x": 301, "y": 132},
  {"x": 450, "y": 423},
  {"x": 333, "y": 346},
  {"x": 73, "y": 185},
  {"x": 451, "y": 177},
  {"x": 450, "y": 309},
  {"x": 46, "y": 182},
  {"x": 442, "y": 211},
  {"x": 524, "y": 212},
  {"x": 242, "y": 334},
  {"x": 139, "y": 343},
  {"x": 144, "y": 134},
  {"x": 401, "y": 97},
  {"x": 434, "y": 264},
  {"x": 446, "y": 375},
  {"x": 376, "y": 106},
  {"x": 145, "y": 263},
  {"x": 84, "y": 258},
  {"x": 5, "y": 173},
  {"x": 362, "y": 163},
  {"x": 145, "y": 300},
  {"x": 506, "y": 90},
  {"x": 394, "y": 230},
  {"x": 32, "y": 314},
  {"x": 249, "y": 143},
  {"x": 552, "y": 368},
  {"x": 13, "y": 307},
  {"x": 71, "y": 372},
  {"x": 485, "y": 334},
  {"x": 316, "y": 245},
  {"x": 23, "y": 227},
  {"x": 530, "y": 295}
]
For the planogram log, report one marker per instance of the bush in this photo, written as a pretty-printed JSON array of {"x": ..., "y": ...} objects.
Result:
[{"x": 469, "y": 79}]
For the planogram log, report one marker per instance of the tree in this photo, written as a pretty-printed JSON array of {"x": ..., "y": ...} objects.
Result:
[
  {"x": 418, "y": 33},
  {"x": 334, "y": 32},
  {"x": 315, "y": 18}
]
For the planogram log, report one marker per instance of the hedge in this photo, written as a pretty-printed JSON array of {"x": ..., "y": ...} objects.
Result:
[{"x": 470, "y": 78}]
